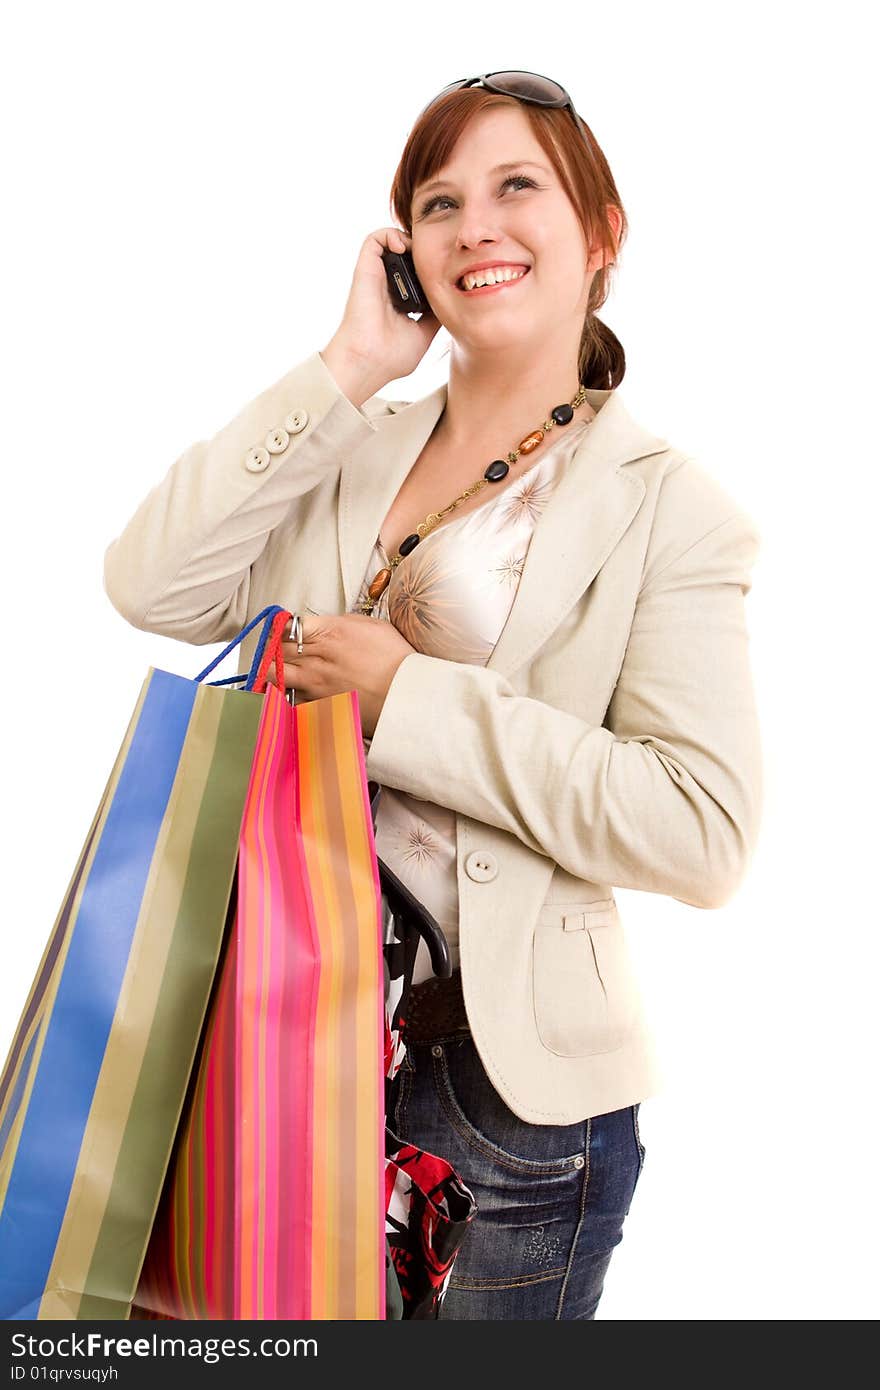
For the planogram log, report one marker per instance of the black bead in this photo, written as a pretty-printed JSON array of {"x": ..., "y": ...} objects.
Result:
[
  {"x": 409, "y": 544},
  {"x": 496, "y": 471},
  {"x": 562, "y": 414}
]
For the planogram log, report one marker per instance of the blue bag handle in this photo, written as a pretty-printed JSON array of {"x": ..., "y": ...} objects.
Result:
[{"x": 266, "y": 617}]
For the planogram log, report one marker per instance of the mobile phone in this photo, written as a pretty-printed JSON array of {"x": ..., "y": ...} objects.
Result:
[{"x": 406, "y": 293}]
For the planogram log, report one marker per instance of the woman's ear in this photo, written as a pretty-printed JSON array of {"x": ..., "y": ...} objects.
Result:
[{"x": 615, "y": 219}]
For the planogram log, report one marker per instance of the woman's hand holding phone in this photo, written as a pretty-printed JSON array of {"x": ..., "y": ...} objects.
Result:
[{"x": 375, "y": 343}]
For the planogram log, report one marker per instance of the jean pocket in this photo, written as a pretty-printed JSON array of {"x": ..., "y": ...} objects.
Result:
[
  {"x": 484, "y": 1124},
  {"x": 584, "y": 991}
]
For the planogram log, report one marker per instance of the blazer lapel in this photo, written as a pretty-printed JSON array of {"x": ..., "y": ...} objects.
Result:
[
  {"x": 589, "y": 509},
  {"x": 371, "y": 479},
  {"x": 588, "y": 512}
]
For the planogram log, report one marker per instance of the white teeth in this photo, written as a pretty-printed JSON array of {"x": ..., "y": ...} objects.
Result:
[{"x": 491, "y": 277}]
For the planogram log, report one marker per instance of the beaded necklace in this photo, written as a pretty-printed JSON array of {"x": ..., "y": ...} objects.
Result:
[{"x": 496, "y": 471}]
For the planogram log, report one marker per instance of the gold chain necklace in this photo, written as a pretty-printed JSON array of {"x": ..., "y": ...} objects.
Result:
[{"x": 560, "y": 415}]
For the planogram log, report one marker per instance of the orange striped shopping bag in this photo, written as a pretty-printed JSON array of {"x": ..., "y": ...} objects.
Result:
[{"x": 274, "y": 1201}]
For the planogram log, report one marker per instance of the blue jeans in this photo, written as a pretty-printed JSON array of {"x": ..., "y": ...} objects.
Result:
[{"x": 551, "y": 1199}]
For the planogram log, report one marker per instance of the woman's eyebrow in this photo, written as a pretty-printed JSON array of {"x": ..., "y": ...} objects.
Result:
[{"x": 499, "y": 168}]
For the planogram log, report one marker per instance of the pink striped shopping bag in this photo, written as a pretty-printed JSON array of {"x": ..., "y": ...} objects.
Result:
[{"x": 274, "y": 1201}]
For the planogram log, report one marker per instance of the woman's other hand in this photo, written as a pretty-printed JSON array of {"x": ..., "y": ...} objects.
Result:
[
  {"x": 345, "y": 652},
  {"x": 375, "y": 343}
]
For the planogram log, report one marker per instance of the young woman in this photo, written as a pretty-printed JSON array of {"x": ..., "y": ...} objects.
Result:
[{"x": 541, "y": 606}]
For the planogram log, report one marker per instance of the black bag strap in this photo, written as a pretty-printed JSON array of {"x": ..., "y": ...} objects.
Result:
[{"x": 412, "y": 914}]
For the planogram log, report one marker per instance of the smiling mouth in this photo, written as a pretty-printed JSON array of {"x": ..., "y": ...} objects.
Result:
[{"x": 490, "y": 289}]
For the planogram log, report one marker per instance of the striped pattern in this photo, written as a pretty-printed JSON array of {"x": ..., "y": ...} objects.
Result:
[
  {"x": 274, "y": 1205},
  {"x": 92, "y": 1091}
]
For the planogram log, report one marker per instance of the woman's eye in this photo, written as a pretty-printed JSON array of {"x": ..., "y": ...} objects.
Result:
[
  {"x": 519, "y": 178},
  {"x": 511, "y": 178}
]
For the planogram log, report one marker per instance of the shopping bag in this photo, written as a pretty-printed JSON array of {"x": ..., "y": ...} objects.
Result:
[
  {"x": 93, "y": 1087},
  {"x": 273, "y": 1206},
  {"x": 226, "y": 900}
]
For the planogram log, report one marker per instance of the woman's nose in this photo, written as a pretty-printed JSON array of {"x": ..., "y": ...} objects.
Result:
[
  {"x": 477, "y": 226},
  {"x": 476, "y": 234}
]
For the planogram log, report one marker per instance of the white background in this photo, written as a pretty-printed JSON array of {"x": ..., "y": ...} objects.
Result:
[{"x": 186, "y": 189}]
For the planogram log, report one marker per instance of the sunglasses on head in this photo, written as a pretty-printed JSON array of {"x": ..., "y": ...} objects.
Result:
[{"x": 525, "y": 86}]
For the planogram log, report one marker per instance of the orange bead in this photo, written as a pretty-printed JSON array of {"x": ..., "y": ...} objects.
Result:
[
  {"x": 531, "y": 441},
  {"x": 379, "y": 584}
]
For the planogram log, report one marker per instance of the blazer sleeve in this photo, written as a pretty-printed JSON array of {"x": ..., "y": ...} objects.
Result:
[
  {"x": 181, "y": 566},
  {"x": 665, "y": 796}
]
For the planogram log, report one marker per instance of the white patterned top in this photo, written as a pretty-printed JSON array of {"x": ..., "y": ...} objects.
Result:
[{"x": 450, "y": 598}]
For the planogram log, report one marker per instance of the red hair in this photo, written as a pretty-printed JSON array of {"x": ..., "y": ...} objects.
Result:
[{"x": 583, "y": 172}]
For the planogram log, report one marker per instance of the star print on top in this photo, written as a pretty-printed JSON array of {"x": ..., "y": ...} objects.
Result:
[{"x": 450, "y": 598}]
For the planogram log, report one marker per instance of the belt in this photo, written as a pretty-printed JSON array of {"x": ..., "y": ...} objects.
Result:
[{"x": 435, "y": 1009}]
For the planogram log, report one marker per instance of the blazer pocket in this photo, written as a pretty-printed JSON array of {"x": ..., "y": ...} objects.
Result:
[{"x": 585, "y": 996}]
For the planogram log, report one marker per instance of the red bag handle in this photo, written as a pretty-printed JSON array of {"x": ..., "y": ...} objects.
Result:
[{"x": 272, "y": 653}]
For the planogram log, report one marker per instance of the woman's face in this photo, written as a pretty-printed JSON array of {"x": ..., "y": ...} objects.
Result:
[{"x": 472, "y": 211}]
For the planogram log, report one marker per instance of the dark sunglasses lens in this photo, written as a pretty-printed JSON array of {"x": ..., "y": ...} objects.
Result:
[{"x": 530, "y": 85}]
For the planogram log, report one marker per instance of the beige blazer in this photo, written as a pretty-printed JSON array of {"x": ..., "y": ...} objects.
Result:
[{"x": 611, "y": 741}]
